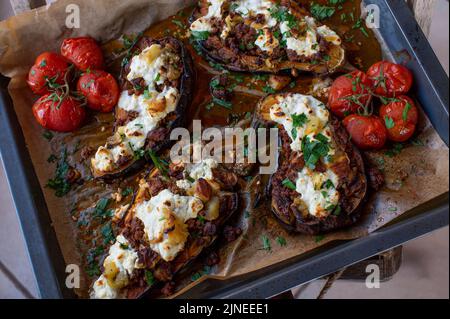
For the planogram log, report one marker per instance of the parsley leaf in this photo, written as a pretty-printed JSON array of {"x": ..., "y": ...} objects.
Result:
[
  {"x": 322, "y": 12},
  {"x": 389, "y": 122},
  {"x": 289, "y": 184},
  {"x": 266, "y": 243},
  {"x": 281, "y": 241},
  {"x": 200, "y": 35},
  {"x": 406, "y": 110}
]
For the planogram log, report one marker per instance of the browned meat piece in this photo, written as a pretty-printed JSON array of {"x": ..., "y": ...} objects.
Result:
[
  {"x": 231, "y": 233},
  {"x": 376, "y": 178},
  {"x": 220, "y": 88}
]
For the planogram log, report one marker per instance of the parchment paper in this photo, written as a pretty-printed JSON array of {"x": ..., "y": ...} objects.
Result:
[{"x": 417, "y": 175}]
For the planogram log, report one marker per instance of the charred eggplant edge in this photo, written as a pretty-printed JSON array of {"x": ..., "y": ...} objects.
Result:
[
  {"x": 331, "y": 223},
  {"x": 186, "y": 93}
]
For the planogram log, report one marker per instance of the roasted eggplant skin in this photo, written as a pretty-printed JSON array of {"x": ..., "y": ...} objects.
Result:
[
  {"x": 254, "y": 63},
  {"x": 207, "y": 234},
  {"x": 158, "y": 139},
  {"x": 354, "y": 189}
]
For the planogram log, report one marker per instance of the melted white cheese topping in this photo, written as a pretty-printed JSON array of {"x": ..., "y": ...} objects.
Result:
[
  {"x": 204, "y": 23},
  {"x": 164, "y": 217},
  {"x": 125, "y": 261},
  {"x": 150, "y": 107},
  {"x": 197, "y": 171},
  {"x": 319, "y": 199},
  {"x": 315, "y": 111},
  {"x": 307, "y": 45}
]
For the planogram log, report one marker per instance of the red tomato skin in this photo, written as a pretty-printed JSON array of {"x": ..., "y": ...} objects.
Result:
[
  {"x": 67, "y": 118},
  {"x": 402, "y": 130},
  {"x": 48, "y": 65},
  {"x": 83, "y": 52},
  {"x": 398, "y": 78},
  {"x": 367, "y": 132},
  {"x": 343, "y": 87},
  {"x": 100, "y": 89}
]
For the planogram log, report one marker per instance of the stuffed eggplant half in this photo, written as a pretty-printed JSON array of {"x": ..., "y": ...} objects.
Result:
[
  {"x": 157, "y": 84},
  {"x": 174, "y": 217},
  {"x": 320, "y": 183},
  {"x": 265, "y": 36}
]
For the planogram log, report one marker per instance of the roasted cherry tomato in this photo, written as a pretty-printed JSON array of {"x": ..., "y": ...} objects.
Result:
[
  {"x": 100, "y": 89},
  {"x": 83, "y": 52},
  {"x": 61, "y": 114},
  {"x": 349, "y": 93},
  {"x": 48, "y": 70},
  {"x": 400, "y": 117},
  {"x": 366, "y": 132},
  {"x": 390, "y": 79}
]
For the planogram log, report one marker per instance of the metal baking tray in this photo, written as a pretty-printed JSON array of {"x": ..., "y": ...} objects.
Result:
[{"x": 399, "y": 32}]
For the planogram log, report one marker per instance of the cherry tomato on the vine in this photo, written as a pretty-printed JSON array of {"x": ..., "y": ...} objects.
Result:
[
  {"x": 83, "y": 52},
  {"x": 48, "y": 71},
  {"x": 400, "y": 117},
  {"x": 349, "y": 93},
  {"x": 60, "y": 114},
  {"x": 390, "y": 79},
  {"x": 366, "y": 132},
  {"x": 100, "y": 89}
]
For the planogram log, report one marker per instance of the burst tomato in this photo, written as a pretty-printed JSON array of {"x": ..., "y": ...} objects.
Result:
[
  {"x": 83, "y": 52},
  {"x": 390, "y": 79},
  {"x": 366, "y": 132},
  {"x": 349, "y": 93},
  {"x": 60, "y": 114},
  {"x": 48, "y": 70},
  {"x": 400, "y": 117},
  {"x": 100, "y": 89}
]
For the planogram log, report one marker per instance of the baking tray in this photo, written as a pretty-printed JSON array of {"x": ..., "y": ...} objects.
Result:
[{"x": 399, "y": 32}]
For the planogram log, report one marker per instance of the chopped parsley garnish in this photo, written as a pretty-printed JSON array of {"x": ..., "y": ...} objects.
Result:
[
  {"x": 200, "y": 35},
  {"x": 247, "y": 214},
  {"x": 225, "y": 104},
  {"x": 127, "y": 192},
  {"x": 147, "y": 95},
  {"x": 319, "y": 238},
  {"x": 201, "y": 219},
  {"x": 205, "y": 271},
  {"x": 359, "y": 25},
  {"x": 289, "y": 184},
  {"x": 281, "y": 14},
  {"x": 178, "y": 23},
  {"x": 93, "y": 268},
  {"x": 393, "y": 209},
  {"x": 395, "y": 150},
  {"x": 281, "y": 241},
  {"x": 159, "y": 164},
  {"x": 52, "y": 158},
  {"x": 314, "y": 150},
  {"x": 328, "y": 184},
  {"x": 322, "y": 12},
  {"x": 107, "y": 233},
  {"x": 129, "y": 43},
  {"x": 389, "y": 122},
  {"x": 298, "y": 120},
  {"x": 59, "y": 183},
  {"x": 101, "y": 210},
  {"x": 48, "y": 135},
  {"x": 266, "y": 243},
  {"x": 406, "y": 110},
  {"x": 149, "y": 278},
  {"x": 268, "y": 89}
]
